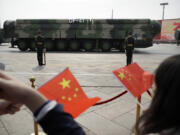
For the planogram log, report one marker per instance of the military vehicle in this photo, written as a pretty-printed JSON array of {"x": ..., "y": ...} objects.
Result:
[
  {"x": 81, "y": 34},
  {"x": 2, "y": 37}
]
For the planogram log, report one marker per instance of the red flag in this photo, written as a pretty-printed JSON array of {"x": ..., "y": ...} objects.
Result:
[
  {"x": 65, "y": 89},
  {"x": 135, "y": 79}
]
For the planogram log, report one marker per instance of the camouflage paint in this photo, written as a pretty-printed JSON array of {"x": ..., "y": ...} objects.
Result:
[{"x": 83, "y": 29}]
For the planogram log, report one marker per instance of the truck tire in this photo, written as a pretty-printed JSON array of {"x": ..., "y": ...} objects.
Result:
[
  {"x": 61, "y": 45},
  {"x": 49, "y": 45},
  {"x": 22, "y": 45},
  {"x": 105, "y": 46},
  {"x": 32, "y": 46},
  {"x": 88, "y": 45},
  {"x": 74, "y": 45}
]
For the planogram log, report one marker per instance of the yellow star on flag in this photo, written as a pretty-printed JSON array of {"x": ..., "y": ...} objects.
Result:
[
  {"x": 121, "y": 75},
  {"x": 65, "y": 83}
]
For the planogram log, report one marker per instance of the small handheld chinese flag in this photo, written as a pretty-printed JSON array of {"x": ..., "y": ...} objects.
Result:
[
  {"x": 135, "y": 79},
  {"x": 65, "y": 89}
]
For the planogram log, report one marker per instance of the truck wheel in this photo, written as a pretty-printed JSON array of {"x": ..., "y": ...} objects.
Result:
[
  {"x": 61, "y": 45},
  {"x": 88, "y": 45},
  {"x": 105, "y": 46},
  {"x": 122, "y": 48},
  {"x": 49, "y": 45},
  {"x": 74, "y": 45},
  {"x": 32, "y": 46},
  {"x": 22, "y": 45}
]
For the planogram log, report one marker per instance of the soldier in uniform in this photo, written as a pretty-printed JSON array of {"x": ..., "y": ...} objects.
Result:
[
  {"x": 12, "y": 42},
  {"x": 178, "y": 38},
  {"x": 129, "y": 47},
  {"x": 39, "y": 39}
]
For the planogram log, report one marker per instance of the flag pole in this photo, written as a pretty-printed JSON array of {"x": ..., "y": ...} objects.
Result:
[
  {"x": 138, "y": 109},
  {"x": 32, "y": 80}
]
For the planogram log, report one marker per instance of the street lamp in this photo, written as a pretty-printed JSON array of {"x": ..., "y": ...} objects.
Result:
[
  {"x": 163, "y": 4},
  {"x": 112, "y": 14}
]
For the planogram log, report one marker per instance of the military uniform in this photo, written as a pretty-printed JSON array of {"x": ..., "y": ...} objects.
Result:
[
  {"x": 12, "y": 42},
  {"x": 40, "y": 47},
  {"x": 178, "y": 39},
  {"x": 129, "y": 46}
]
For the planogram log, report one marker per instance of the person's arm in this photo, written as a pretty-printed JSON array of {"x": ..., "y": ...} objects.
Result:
[
  {"x": 17, "y": 92},
  {"x": 54, "y": 121}
]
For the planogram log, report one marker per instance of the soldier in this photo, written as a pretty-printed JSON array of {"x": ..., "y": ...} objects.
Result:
[
  {"x": 12, "y": 42},
  {"x": 178, "y": 38},
  {"x": 39, "y": 39},
  {"x": 129, "y": 47}
]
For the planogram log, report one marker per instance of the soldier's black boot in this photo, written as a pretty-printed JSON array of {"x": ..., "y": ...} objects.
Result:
[{"x": 40, "y": 63}]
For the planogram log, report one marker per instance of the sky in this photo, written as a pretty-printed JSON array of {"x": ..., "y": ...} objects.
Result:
[{"x": 89, "y": 9}]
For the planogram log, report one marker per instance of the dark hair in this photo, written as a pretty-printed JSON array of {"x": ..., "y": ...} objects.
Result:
[{"x": 164, "y": 113}]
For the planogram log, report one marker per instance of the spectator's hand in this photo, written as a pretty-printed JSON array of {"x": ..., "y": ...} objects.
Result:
[
  {"x": 12, "y": 90},
  {"x": 7, "y": 107},
  {"x": 17, "y": 92}
]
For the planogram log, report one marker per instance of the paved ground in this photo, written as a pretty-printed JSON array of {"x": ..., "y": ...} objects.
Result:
[{"x": 94, "y": 73}]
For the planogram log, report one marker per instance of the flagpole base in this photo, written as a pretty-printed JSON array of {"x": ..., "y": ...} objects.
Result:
[{"x": 39, "y": 133}]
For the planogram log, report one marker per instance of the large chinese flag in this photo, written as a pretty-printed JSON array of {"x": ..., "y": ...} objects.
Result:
[
  {"x": 65, "y": 89},
  {"x": 135, "y": 79}
]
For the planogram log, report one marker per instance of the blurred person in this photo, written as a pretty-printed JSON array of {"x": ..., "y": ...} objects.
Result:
[
  {"x": 177, "y": 36},
  {"x": 178, "y": 39},
  {"x": 39, "y": 40},
  {"x": 129, "y": 47},
  {"x": 162, "y": 116}
]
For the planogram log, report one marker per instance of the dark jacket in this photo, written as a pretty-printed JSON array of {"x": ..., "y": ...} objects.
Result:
[
  {"x": 39, "y": 42},
  {"x": 129, "y": 42},
  {"x": 57, "y": 122}
]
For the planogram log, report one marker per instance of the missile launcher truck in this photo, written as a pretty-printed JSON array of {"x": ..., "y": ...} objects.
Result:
[{"x": 81, "y": 34}]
